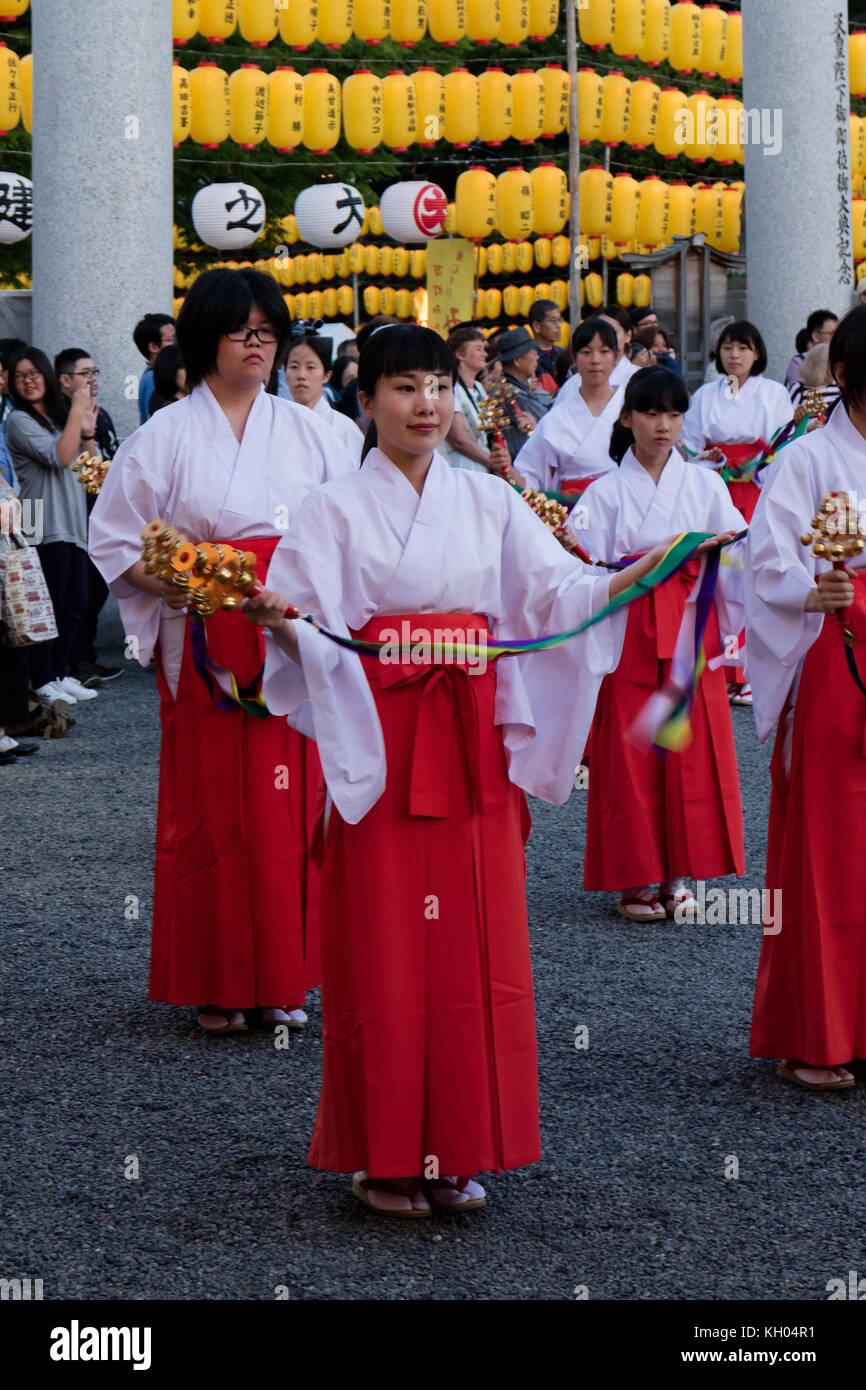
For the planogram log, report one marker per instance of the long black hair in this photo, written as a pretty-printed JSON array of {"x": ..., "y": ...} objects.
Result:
[
  {"x": 56, "y": 410},
  {"x": 848, "y": 350},
  {"x": 652, "y": 388},
  {"x": 397, "y": 348}
]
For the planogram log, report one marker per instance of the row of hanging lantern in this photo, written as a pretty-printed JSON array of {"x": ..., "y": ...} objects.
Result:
[
  {"x": 653, "y": 212},
  {"x": 334, "y": 22},
  {"x": 16, "y": 89},
  {"x": 692, "y": 38},
  {"x": 616, "y": 111}
]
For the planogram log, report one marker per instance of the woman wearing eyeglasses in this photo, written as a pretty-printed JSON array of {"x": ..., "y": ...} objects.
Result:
[
  {"x": 44, "y": 440},
  {"x": 233, "y": 921}
]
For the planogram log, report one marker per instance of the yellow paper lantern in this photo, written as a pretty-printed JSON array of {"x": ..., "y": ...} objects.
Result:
[
  {"x": 714, "y": 39},
  {"x": 180, "y": 104},
  {"x": 446, "y": 20},
  {"x": 731, "y": 68},
  {"x": 299, "y": 269},
  {"x": 514, "y": 209},
  {"x": 248, "y": 92},
  {"x": 540, "y": 291},
  {"x": 858, "y": 142},
  {"x": 184, "y": 20},
  {"x": 257, "y": 20},
  {"x": 656, "y": 42},
  {"x": 698, "y": 144},
  {"x": 374, "y": 221},
  {"x": 494, "y": 106},
  {"x": 561, "y": 249},
  {"x": 685, "y": 53},
  {"x": 527, "y": 97},
  {"x": 403, "y": 304},
  {"x": 475, "y": 201},
  {"x": 492, "y": 303},
  {"x": 858, "y": 228},
  {"x": 525, "y": 300},
  {"x": 371, "y": 260},
  {"x": 480, "y": 261},
  {"x": 596, "y": 200},
  {"x": 401, "y": 262},
  {"x": 705, "y": 208},
  {"x": 321, "y": 111},
  {"x": 386, "y": 260},
  {"x": 25, "y": 71},
  {"x": 556, "y": 88},
  {"x": 209, "y": 105},
  {"x": 494, "y": 259},
  {"x": 417, "y": 264},
  {"x": 372, "y": 20},
  {"x": 362, "y": 110},
  {"x": 513, "y": 22},
  {"x": 625, "y": 290},
  {"x": 616, "y": 101},
  {"x": 623, "y": 218},
  {"x": 609, "y": 248},
  {"x": 642, "y": 291},
  {"x": 732, "y": 202},
  {"x": 509, "y": 257},
  {"x": 478, "y": 304},
  {"x": 543, "y": 18},
  {"x": 429, "y": 105},
  {"x": 727, "y": 142},
  {"x": 543, "y": 250},
  {"x": 461, "y": 107},
  {"x": 408, "y": 21},
  {"x": 285, "y": 271},
  {"x": 217, "y": 20},
  {"x": 549, "y": 199},
  {"x": 511, "y": 301},
  {"x": 653, "y": 212},
  {"x": 681, "y": 218},
  {"x": 628, "y": 29},
  {"x": 451, "y": 219},
  {"x": 299, "y": 25},
  {"x": 582, "y": 293},
  {"x": 345, "y": 299},
  {"x": 288, "y": 229},
  {"x": 596, "y": 20},
  {"x": 388, "y": 300},
  {"x": 342, "y": 266},
  {"x": 302, "y": 305},
  {"x": 594, "y": 289},
  {"x": 643, "y": 113},
  {"x": 285, "y": 127},
  {"x": 672, "y": 103},
  {"x": 316, "y": 305},
  {"x": 329, "y": 303},
  {"x": 372, "y": 298},
  {"x": 335, "y": 22},
  {"x": 399, "y": 112},
  {"x": 314, "y": 268},
  {"x": 709, "y": 209},
  {"x": 525, "y": 258},
  {"x": 590, "y": 104}
]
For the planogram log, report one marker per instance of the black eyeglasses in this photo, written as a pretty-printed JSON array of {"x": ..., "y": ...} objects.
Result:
[
  {"x": 265, "y": 334},
  {"x": 27, "y": 376},
  {"x": 86, "y": 372}
]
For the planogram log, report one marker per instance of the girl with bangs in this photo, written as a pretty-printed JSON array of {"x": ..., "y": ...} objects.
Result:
[
  {"x": 654, "y": 822},
  {"x": 429, "y": 1059}
]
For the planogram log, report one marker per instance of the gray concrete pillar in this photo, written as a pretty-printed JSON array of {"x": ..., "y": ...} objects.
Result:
[
  {"x": 102, "y": 183},
  {"x": 798, "y": 174}
]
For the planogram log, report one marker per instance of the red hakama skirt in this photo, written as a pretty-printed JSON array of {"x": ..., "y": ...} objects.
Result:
[
  {"x": 744, "y": 495},
  {"x": 651, "y": 818},
  {"x": 429, "y": 1046},
  {"x": 810, "y": 997},
  {"x": 234, "y": 912}
]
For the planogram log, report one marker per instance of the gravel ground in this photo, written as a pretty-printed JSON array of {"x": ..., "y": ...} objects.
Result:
[{"x": 631, "y": 1199}]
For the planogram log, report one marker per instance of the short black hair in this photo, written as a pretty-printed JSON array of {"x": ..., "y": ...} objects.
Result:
[
  {"x": 637, "y": 316},
  {"x": 7, "y": 347},
  {"x": 218, "y": 301},
  {"x": 651, "y": 388},
  {"x": 65, "y": 361},
  {"x": 801, "y": 342},
  {"x": 586, "y": 331},
  {"x": 165, "y": 369},
  {"x": 818, "y": 318},
  {"x": 370, "y": 327},
  {"x": 742, "y": 331},
  {"x": 55, "y": 404},
  {"x": 147, "y": 331},
  {"x": 398, "y": 348},
  {"x": 541, "y": 308},
  {"x": 621, "y": 315},
  {"x": 322, "y": 347},
  {"x": 848, "y": 350}
]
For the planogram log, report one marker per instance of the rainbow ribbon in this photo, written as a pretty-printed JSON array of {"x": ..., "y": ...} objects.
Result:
[{"x": 745, "y": 472}]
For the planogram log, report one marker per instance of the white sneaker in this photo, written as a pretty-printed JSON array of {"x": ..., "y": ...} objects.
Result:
[
  {"x": 73, "y": 689},
  {"x": 50, "y": 695}
]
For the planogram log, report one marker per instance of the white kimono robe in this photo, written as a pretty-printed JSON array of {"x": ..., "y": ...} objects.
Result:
[
  {"x": 620, "y": 376},
  {"x": 780, "y": 570},
  {"x": 626, "y": 513},
  {"x": 345, "y": 429},
  {"x": 717, "y": 416},
  {"x": 186, "y": 467},
  {"x": 570, "y": 442},
  {"x": 368, "y": 544}
]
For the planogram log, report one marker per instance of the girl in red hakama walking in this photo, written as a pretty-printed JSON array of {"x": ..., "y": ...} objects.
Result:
[
  {"x": 810, "y": 996},
  {"x": 652, "y": 820},
  {"x": 429, "y": 1062},
  {"x": 234, "y": 926}
]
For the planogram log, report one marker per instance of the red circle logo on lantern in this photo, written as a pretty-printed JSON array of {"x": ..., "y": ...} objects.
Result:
[{"x": 430, "y": 209}]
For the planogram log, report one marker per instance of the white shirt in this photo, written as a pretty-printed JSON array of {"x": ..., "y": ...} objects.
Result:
[
  {"x": 367, "y": 544},
  {"x": 345, "y": 429},
  {"x": 717, "y": 415},
  {"x": 620, "y": 376},
  {"x": 570, "y": 442}
]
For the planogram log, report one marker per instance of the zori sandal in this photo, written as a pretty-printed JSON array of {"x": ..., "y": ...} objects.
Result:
[
  {"x": 391, "y": 1196},
  {"x": 216, "y": 1021},
  {"x": 788, "y": 1072},
  {"x": 455, "y": 1194},
  {"x": 641, "y": 905}
]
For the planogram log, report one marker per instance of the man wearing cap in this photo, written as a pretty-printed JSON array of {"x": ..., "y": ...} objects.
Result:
[{"x": 525, "y": 403}]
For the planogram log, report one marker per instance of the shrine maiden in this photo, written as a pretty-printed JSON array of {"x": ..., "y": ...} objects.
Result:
[
  {"x": 233, "y": 919},
  {"x": 429, "y": 1063},
  {"x": 810, "y": 999},
  {"x": 623, "y": 368},
  {"x": 652, "y": 822},
  {"x": 569, "y": 446},
  {"x": 731, "y": 418},
  {"x": 308, "y": 369}
]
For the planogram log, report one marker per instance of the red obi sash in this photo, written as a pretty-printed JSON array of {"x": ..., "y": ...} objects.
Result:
[
  {"x": 577, "y": 486},
  {"x": 658, "y": 615},
  {"x": 454, "y": 694},
  {"x": 738, "y": 454}
]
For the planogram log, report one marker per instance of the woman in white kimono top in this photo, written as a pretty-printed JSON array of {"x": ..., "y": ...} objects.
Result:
[
  {"x": 429, "y": 1035},
  {"x": 569, "y": 446},
  {"x": 234, "y": 917},
  {"x": 810, "y": 997},
  {"x": 308, "y": 370},
  {"x": 651, "y": 820}
]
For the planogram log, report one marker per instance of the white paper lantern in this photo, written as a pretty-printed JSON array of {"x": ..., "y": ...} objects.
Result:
[
  {"x": 16, "y": 208},
  {"x": 228, "y": 215},
  {"x": 413, "y": 212},
  {"x": 330, "y": 215}
]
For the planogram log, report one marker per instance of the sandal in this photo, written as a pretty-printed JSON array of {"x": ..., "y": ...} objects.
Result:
[
  {"x": 216, "y": 1021},
  {"x": 391, "y": 1196},
  {"x": 278, "y": 1017},
  {"x": 676, "y": 896},
  {"x": 788, "y": 1072},
  {"x": 455, "y": 1194},
  {"x": 641, "y": 905}
]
